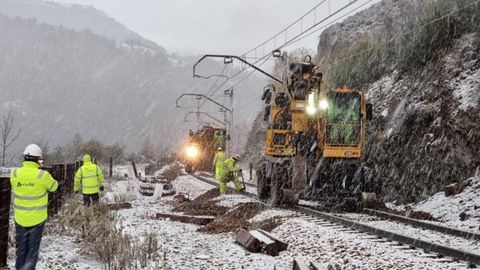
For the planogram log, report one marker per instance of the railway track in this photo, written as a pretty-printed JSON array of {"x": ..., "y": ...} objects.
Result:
[{"x": 436, "y": 239}]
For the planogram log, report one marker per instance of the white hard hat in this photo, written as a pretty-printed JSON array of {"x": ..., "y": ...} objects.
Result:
[
  {"x": 219, "y": 149},
  {"x": 32, "y": 150},
  {"x": 236, "y": 157}
]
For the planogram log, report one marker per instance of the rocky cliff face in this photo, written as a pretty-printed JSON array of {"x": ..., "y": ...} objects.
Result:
[
  {"x": 425, "y": 130},
  {"x": 425, "y": 133},
  {"x": 255, "y": 146},
  {"x": 384, "y": 19}
]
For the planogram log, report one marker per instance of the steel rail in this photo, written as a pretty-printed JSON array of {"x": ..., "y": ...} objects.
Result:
[
  {"x": 411, "y": 241},
  {"x": 425, "y": 245},
  {"x": 422, "y": 224}
]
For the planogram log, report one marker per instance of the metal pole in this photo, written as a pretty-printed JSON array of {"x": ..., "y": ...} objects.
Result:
[
  {"x": 134, "y": 169},
  {"x": 5, "y": 190},
  {"x": 110, "y": 173},
  {"x": 250, "y": 167}
]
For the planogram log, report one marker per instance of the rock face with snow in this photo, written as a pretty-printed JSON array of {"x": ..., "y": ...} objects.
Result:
[
  {"x": 385, "y": 18},
  {"x": 425, "y": 132},
  {"x": 460, "y": 210}
]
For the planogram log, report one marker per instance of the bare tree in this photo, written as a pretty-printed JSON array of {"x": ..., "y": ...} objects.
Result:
[{"x": 7, "y": 135}]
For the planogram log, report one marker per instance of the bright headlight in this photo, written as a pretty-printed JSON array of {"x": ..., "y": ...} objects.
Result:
[
  {"x": 323, "y": 104},
  {"x": 310, "y": 110},
  {"x": 192, "y": 151}
]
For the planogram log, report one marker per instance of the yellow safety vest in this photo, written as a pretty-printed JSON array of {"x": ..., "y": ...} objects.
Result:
[
  {"x": 228, "y": 169},
  {"x": 30, "y": 187},
  {"x": 89, "y": 177}
]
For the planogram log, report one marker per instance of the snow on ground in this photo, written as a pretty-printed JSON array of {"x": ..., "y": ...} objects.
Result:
[
  {"x": 122, "y": 170},
  {"x": 59, "y": 252},
  {"x": 448, "y": 209},
  {"x": 185, "y": 248},
  {"x": 182, "y": 247},
  {"x": 418, "y": 233},
  {"x": 193, "y": 188},
  {"x": 231, "y": 200},
  {"x": 164, "y": 168},
  {"x": 312, "y": 241},
  {"x": 271, "y": 213}
]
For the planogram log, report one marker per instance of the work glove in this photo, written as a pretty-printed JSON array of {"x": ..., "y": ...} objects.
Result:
[{"x": 101, "y": 188}]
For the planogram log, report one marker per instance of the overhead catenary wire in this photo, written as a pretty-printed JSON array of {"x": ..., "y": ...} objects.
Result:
[
  {"x": 284, "y": 30},
  {"x": 304, "y": 31},
  {"x": 318, "y": 26},
  {"x": 298, "y": 37}
]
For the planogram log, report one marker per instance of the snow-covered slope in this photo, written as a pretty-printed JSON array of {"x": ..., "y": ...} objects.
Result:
[
  {"x": 59, "y": 82},
  {"x": 461, "y": 210},
  {"x": 76, "y": 17}
]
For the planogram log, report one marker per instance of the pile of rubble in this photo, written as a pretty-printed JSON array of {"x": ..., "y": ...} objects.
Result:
[{"x": 214, "y": 218}]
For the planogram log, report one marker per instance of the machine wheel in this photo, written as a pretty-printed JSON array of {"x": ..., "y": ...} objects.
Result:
[
  {"x": 280, "y": 177},
  {"x": 263, "y": 182}
]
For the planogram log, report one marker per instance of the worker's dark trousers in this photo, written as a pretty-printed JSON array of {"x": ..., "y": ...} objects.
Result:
[
  {"x": 28, "y": 246},
  {"x": 89, "y": 199}
]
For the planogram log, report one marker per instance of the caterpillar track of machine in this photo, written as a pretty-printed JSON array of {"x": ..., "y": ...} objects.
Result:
[{"x": 314, "y": 142}]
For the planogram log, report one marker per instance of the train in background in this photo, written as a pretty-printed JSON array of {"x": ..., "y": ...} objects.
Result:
[{"x": 202, "y": 145}]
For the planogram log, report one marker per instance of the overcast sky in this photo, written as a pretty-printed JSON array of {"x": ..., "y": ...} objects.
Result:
[{"x": 207, "y": 26}]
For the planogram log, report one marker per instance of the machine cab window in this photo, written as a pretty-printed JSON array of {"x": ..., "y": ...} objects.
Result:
[{"x": 343, "y": 118}]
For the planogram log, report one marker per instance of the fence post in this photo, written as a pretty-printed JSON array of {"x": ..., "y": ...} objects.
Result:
[
  {"x": 56, "y": 198},
  {"x": 110, "y": 173},
  {"x": 250, "y": 167},
  {"x": 134, "y": 169},
  {"x": 5, "y": 191},
  {"x": 70, "y": 176}
]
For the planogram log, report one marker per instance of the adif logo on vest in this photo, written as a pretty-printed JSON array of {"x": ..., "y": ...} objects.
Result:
[{"x": 25, "y": 185}]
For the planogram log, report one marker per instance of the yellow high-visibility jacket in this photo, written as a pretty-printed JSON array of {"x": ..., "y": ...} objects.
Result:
[
  {"x": 228, "y": 169},
  {"x": 30, "y": 187},
  {"x": 218, "y": 163},
  {"x": 89, "y": 178}
]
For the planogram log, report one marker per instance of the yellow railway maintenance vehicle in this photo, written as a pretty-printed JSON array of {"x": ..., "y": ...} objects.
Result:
[
  {"x": 201, "y": 148},
  {"x": 314, "y": 139},
  {"x": 314, "y": 143}
]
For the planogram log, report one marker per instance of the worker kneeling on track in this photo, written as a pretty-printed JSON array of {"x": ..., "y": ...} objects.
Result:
[
  {"x": 228, "y": 173},
  {"x": 90, "y": 179},
  {"x": 30, "y": 187},
  {"x": 218, "y": 163}
]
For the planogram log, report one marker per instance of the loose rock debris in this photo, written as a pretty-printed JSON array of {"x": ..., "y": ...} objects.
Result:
[
  {"x": 207, "y": 196},
  {"x": 201, "y": 209},
  {"x": 199, "y": 220},
  {"x": 181, "y": 198},
  {"x": 268, "y": 224},
  {"x": 235, "y": 218}
]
